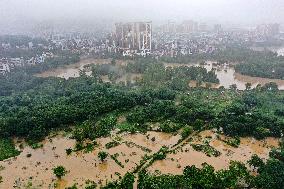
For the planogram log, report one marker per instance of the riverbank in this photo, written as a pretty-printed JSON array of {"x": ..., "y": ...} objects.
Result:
[{"x": 226, "y": 74}]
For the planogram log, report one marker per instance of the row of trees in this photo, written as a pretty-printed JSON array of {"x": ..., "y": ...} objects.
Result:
[{"x": 193, "y": 177}]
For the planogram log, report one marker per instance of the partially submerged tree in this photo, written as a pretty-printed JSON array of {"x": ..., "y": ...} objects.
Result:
[
  {"x": 59, "y": 171},
  {"x": 102, "y": 155}
]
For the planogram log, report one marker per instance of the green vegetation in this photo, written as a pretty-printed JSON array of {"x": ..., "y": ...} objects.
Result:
[
  {"x": 59, "y": 171},
  {"x": 169, "y": 127},
  {"x": 235, "y": 142},
  {"x": 90, "y": 184},
  {"x": 125, "y": 183},
  {"x": 207, "y": 149},
  {"x": 102, "y": 155},
  {"x": 262, "y": 64},
  {"x": 271, "y": 173},
  {"x": 193, "y": 177},
  {"x": 32, "y": 107},
  {"x": 114, "y": 157},
  {"x": 253, "y": 63},
  {"x": 111, "y": 144},
  {"x": 7, "y": 149},
  {"x": 186, "y": 131},
  {"x": 132, "y": 144},
  {"x": 92, "y": 129}
]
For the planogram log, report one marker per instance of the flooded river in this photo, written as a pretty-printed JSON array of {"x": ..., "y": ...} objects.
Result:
[
  {"x": 36, "y": 168},
  {"x": 225, "y": 74}
]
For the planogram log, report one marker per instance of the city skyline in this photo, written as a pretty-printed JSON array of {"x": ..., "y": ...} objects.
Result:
[{"x": 24, "y": 15}]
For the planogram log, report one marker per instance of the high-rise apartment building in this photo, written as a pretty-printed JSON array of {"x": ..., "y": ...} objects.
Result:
[{"x": 133, "y": 36}]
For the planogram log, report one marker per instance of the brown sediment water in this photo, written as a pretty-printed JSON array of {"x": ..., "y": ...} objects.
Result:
[
  {"x": 72, "y": 70},
  {"x": 227, "y": 76},
  {"x": 175, "y": 163},
  {"x": 37, "y": 169}
]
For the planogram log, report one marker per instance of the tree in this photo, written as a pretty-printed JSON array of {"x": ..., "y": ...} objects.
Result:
[
  {"x": 102, "y": 155},
  {"x": 273, "y": 87},
  {"x": 127, "y": 181},
  {"x": 256, "y": 161},
  {"x": 59, "y": 171},
  {"x": 248, "y": 86},
  {"x": 187, "y": 130},
  {"x": 233, "y": 87},
  {"x": 113, "y": 62},
  {"x": 270, "y": 175}
]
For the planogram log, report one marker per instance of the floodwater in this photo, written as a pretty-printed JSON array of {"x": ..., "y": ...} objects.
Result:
[
  {"x": 73, "y": 70},
  {"x": 225, "y": 74},
  {"x": 37, "y": 169},
  {"x": 175, "y": 163},
  {"x": 20, "y": 171}
]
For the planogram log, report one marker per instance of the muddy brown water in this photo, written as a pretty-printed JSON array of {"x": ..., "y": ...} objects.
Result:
[
  {"x": 225, "y": 74},
  {"x": 73, "y": 70},
  {"x": 175, "y": 163},
  {"x": 37, "y": 169}
]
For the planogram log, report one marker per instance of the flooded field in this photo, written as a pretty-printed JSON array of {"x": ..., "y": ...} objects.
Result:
[
  {"x": 35, "y": 165},
  {"x": 175, "y": 163},
  {"x": 225, "y": 74},
  {"x": 37, "y": 169}
]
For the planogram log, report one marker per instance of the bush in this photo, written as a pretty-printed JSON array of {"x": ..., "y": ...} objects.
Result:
[
  {"x": 59, "y": 171},
  {"x": 102, "y": 155},
  {"x": 7, "y": 149},
  {"x": 186, "y": 131}
]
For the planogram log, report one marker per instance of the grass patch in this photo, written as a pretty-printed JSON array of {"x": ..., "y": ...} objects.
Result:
[
  {"x": 234, "y": 142},
  {"x": 132, "y": 144},
  {"x": 111, "y": 144},
  {"x": 207, "y": 149},
  {"x": 7, "y": 149}
]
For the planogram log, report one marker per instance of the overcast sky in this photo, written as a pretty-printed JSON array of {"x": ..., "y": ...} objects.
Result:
[{"x": 245, "y": 12}]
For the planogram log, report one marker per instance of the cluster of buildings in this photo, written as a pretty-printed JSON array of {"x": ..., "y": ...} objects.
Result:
[
  {"x": 187, "y": 26},
  {"x": 268, "y": 30},
  {"x": 139, "y": 39},
  {"x": 8, "y": 64},
  {"x": 170, "y": 39},
  {"x": 30, "y": 51}
]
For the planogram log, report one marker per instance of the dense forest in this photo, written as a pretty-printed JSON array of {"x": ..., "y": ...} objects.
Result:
[{"x": 31, "y": 107}]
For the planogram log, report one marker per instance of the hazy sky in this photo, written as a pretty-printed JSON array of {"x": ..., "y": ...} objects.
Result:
[{"x": 245, "y": 12}]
